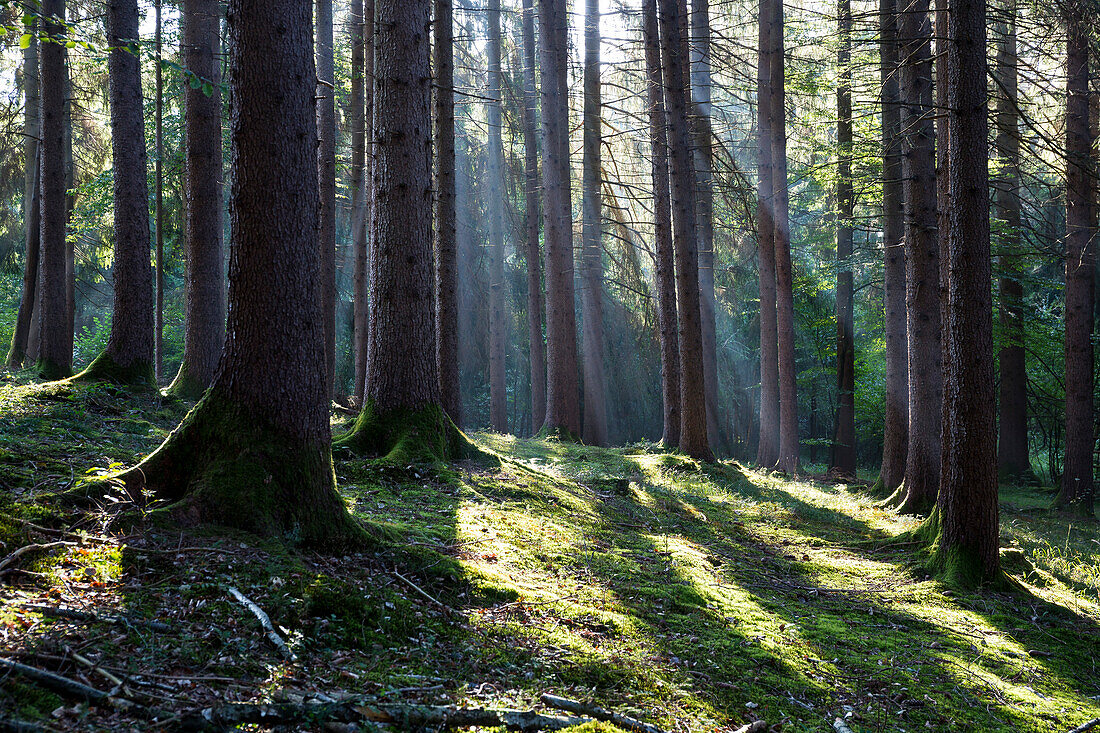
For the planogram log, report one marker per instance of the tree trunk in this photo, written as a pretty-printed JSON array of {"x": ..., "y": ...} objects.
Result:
[
  {"x": 895, "y": 437},
  {"x": 130, "y": 354},
  {"x": 54, "y": 348},
  {"x": 204, "y": 319},
  {"x": 967, "y": 551},
  {"x": 693, "y": 408},
  {"x": 326, "y": 172},
  {"x": 158, "y": 218},
  {"x": 562, "y": 409},
  {"x": 498, "y": 393},
  {"x": 665, "y": 266},
  {"x": 32, "y": 132},
  {"x": 1077, "y": 483},
  {"x": 362, "y": 39},
  {"x": 531, "y": 221},
  {"x": 767, "y": 451},
  {"x": 844, "y": 437},
  {"x": 1013, "y": 457},
  {"x": 922, "y": 292},
  {"x": 595, "y": 407},
  {"x": 70, "y": 205},
  {"x": 446, "y": 247},
  {"x": 255, "y": 452}
]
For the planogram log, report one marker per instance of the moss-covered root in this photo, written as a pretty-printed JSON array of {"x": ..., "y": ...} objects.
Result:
[
  {"x": 906, "y": 503},
  {"x": 404, "y": 436},
  {"x": 1075, "y": 506},
  {"x": 953, "y": 566},
  {"x": 878, "y": 489},
  {"x": 220, "y": 467},
  {"x": 140, "y": 374},
  {"x": 559, "y": 433},
  {"x": 186, "y": 387},
  {"x": 51, "y": 371}
]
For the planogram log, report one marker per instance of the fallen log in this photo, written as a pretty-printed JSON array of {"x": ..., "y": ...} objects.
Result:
[{"x": 579, "y": 708}]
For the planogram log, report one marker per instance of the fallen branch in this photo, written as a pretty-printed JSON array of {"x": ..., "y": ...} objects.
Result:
[
  {"x": 840, "y": 726},
  {"x": 67, "y": 687},
  {"x": 407, "y": 717},
  {"x": 1086, "y": 726},
  {"x": 73, "y": 614},
  {"x": 423, "y": 593},
  {"x": 258, "y": 612},
  {"x": 754, "y": 727},
  {"x": 579, "y": 708},
  {"x": 30, "y": 548}
]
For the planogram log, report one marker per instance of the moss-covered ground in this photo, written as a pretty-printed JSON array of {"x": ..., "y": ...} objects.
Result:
[{"x": 698, "y": 598}]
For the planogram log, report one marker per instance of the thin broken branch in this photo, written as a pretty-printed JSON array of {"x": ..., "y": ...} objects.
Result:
[
  {"x": 258, "y": 612},
  {"x": 574, "y": 706},
  {"x": 72, "y": 614},
  {"x": 30, "y": 548}
]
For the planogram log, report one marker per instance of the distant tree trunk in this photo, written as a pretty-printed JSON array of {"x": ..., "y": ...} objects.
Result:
[
  {"x": 32, "y": 132},
  {"x": 54, "y": 352},
  {"x": 1013, "y": 457},
  {"x": 922, "y": 300},
  {"x": 704, "y": 204},
  {"x": 158, "y": 218},
  {"x": 844, "y": 437},
  {"x": 531, "y": 220},
  {"x": 204, "y": 319},
  {"x": 784, "y": 284},
  {"x": 1077, "y": 482},
  {"x": 130, "y": 354},
  {"x": 498, "y": 393},
  {"x": 767, "y": 452},
  {"x": 255, "y": 452},
  {"x": 362, "y": 39},
  {"x": 326, "y": 171},
  {"x": 446, "y": 246},
  {"x": 693, "y": 408},
  {"x": 945, "y": 205},
  {"x": 562, "y": 410},
  {"x": 665, "y": 266},
  {"x": 70, "y": 205},
  {"x": 967, "y": 550},
  {"x": 896, "y": 427},
  {"x": 595, "y": 407}
]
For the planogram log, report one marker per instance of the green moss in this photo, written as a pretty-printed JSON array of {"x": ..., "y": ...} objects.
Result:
[
  {"x": 30, "y": 701},
  {"x": 52, "y": 371},
  {"x": 187, "y": 387},
  {"x": 560, "y": 433},
  {"x": 407, "y": 437},
  {"x": 596, "y": 726},
  {"x": 139, "y": 374}
]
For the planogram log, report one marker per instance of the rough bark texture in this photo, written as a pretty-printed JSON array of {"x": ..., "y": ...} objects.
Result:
[
  {"x": 158, "y": 214},
  {"x": 255, "y": 452},
  {"x": 498, "y": 324},
  {"x": 693, "y": 408},
  {"x": 54, "y": 345},
  {"x": 967, "y": 510},
  {"x": 361, "y": 82},
  {"x": 1077, "y": 482},
  {"x": 130, "y": 354},
  {"x": 446, "y": 246},
  {"x": 922, "y": 291},
  {"x": 895, "y": 438},
  {"x": 531, "y": 220},
  {"x": 767, "y": 451},
  {"x": 843, "y": 460},
  {"x": 326, "y": 173},
  {"x": 1013, "y": 457},
  {"x": 595, "y": 407},
  {"x": 562, "y": 408},
  {"x": 665, "y": 266},
  {"x": 204, "y": 319}
]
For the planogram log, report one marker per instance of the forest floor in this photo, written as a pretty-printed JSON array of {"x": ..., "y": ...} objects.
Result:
[{"x": 696, "y": 598}]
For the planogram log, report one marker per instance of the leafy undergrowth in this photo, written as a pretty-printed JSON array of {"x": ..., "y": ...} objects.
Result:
[{"x": 695, "y": 598}]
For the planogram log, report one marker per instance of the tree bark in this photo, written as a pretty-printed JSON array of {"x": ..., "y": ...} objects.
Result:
[
  {"x": 362, "y": 25},
  {"x": 54, "y": 347},
  {"x": 843, "y": 459},
  {"x": 767, "y": 451},
  {"x": 535, "y": 300},
  {"x": 498, "y": 393},
  {"x": 562, "y": 409},
  {"x": 693, "y": 409},
  {"x": 204, "y": 319},
  {"x": 446, "y": 247},
  {"x": 665, "y": 266},
  {"x": 595, "y": 407},
  {"x": 1077, "y": 483},
  {"x": 1013, "y": 456},
  {"x": 326, "y": 172},
  {"x": 158, "y": 217}
]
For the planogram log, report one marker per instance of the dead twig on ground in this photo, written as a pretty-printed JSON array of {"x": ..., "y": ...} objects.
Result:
[
  {"x": 574, "y": 706},
  {"x": 265, "y": 621}
]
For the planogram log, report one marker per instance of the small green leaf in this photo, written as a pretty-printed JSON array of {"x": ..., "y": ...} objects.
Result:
[
  {"x": 208, "y": 89},
  {"x": 196, "y": 82},
  {"x": 70, "y": 44},
  {"x": 25, "y": 41}
]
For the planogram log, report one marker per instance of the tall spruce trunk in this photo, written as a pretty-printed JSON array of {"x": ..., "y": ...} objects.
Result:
[
  {"x": 158, "y": 214},
  {"x": 537, "y": 345},
  {"x": 204, "y": 318},
  {"x": 895, "y": 438},
  {"x": 255, "y": 453},
  {"x": 361, "y": 81},
  {"x": 693, "y": 409},
  {"x": 1077, "y": 482},
  {"x": 843, "y": 459},
  {"x": 446, "y": 245},
  {"x": 967, "y": 551},
  {"x": 922, "y": 291},
  {"x": 767, "y": 451},
  {"x": 498, "y": 391},
  {"x": 53, "y": 347},
  {"x": 562, "y": 409},
  {"x": 326, "y": 172},
  {"x": 665, "y": 265},
  {"x": 130, "y": 354},
  {"x": 1013, "y": 458},
  {"x": 595, "y": 407}
]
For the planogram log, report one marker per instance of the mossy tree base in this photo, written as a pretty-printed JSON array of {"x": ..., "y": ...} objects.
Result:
[
  {"x": 953, "y": 566},
  {"x": 51, "y": 371},
  {"x": 1081, "y": 507},
  {"x": 187, "y": 387},
  {"x": 562, "y": 434},
  {"x": 904, "y": 502},
  {"x": 140, "y": 374},
  {"x": 405, "y": 436}
]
